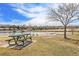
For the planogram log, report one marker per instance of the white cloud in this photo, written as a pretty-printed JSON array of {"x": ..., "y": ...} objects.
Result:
[
  {"x": 30, "y": 12},
  {"x": 37, "y": 9},
  {"x": 36, "y": 21},
  {"x": 40, "y": 19},
  {"x": 39, "y": 12},
  {"x": 40, "y": 16},
  {"x": 21, "y": 12},
  {"x": 42, "y": 22},
  {"x": 53, "y": 5}
]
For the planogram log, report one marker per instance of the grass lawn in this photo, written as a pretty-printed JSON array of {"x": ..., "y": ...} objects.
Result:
[{"x": 46, "y": 46}]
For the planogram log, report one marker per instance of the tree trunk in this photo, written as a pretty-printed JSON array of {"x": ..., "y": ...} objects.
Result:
[{"x": 65, "y": 32}]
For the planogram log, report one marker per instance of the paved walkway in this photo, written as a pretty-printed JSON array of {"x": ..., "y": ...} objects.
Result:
[{"x": 3, "y": 43}]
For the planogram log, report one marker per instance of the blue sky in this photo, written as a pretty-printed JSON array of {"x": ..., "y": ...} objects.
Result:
[
  {"x": 13, "y": 13},
  {"x": 8, "y": 14},
  {"x": 25, "y": 13}
]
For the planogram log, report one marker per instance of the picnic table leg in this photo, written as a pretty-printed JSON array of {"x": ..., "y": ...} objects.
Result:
[
  {"x": 23, "y": 43},
  {"x": 15, "y": 42},
  {"x": 9, "y": 42},
  {"x": 31, "y": 38},
  {"x": 24, "y": 37},
  {"x": 27, "y": 37}
]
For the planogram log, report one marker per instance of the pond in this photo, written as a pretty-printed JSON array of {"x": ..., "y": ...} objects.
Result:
[{"x": 33, "y": 33}]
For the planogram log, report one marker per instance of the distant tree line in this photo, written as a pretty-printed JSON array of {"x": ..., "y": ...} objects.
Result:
[{"x": 24, "y": 27}]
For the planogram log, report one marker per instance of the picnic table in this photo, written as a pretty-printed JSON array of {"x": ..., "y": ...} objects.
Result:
[{"x": 19, "y": 38}]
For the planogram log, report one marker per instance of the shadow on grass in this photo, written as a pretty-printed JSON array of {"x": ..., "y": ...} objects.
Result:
[
  {"x": 19, "y": 47},
  {"x": 75, "y": 41}
]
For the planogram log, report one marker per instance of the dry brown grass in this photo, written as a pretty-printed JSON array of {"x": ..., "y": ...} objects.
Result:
[{"x": 46, "y": 46}]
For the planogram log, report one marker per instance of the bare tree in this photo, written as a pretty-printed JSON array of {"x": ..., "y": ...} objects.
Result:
[{"x": 65, "y": 13}]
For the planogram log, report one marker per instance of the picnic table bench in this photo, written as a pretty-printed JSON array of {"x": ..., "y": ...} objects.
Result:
[{"x": 19, "y": 38}]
